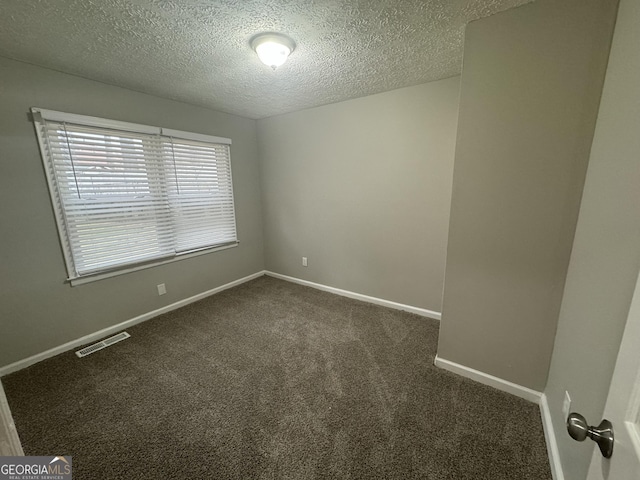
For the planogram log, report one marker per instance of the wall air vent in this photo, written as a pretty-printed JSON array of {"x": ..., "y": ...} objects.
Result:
[{"x": 102, "y": 344}]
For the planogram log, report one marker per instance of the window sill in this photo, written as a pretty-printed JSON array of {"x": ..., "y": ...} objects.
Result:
[{"x": 114, "y": 273}]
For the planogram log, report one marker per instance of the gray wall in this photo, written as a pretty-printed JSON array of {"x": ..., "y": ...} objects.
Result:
[
  {"x": 606, "y": 252},
  {"x": 530, "y": 89},
  {"x": 362, "y": 189},
  {"x": 38, "y": 310}
]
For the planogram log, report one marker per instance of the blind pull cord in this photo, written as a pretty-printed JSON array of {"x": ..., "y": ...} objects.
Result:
[
  {"x": 175, "y": 169},
  {"x": 73, "y": 167}
]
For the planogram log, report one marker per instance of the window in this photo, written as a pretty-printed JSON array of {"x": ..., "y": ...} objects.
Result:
[{"x": 127, "y": 194}]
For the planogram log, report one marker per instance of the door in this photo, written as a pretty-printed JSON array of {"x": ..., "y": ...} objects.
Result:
[
  {"x": 621, "y": 95},
  {"x": 623, "y": 406}
]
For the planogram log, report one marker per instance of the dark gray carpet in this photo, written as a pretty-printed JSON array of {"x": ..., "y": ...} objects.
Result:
[{"x": 274, "y": 380}]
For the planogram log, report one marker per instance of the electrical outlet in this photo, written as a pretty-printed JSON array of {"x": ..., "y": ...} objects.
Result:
[
  {"x": 566, "y": 405},
  {"x": 162, "y": 289},
  {"x": 304, "y": 261}
]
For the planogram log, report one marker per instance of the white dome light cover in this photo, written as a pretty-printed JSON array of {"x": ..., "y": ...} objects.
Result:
[{"x": 273, "y": 49}]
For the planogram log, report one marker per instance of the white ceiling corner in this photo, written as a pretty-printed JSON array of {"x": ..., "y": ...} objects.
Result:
[{"x": 197, "y": 51}]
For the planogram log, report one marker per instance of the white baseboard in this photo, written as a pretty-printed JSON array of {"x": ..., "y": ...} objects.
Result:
[
  {"x": 486, "y": 379},
  {"x": 19, "y": 365},
  {"x": 550, "y": 438},
  {"x": 522, "y": 392},
  {"x": 423, "y": 312},
  {"x": 10, "y": 445}
]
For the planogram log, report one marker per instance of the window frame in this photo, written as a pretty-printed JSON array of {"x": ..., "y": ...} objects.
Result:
[{"x": 40, "y": 116}]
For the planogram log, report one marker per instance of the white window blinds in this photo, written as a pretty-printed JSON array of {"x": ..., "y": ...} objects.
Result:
[{"x": 126, "y": 194}]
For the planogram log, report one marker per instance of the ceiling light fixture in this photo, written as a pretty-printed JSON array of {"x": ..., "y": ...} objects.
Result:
[{"x": 272, "y": 48}]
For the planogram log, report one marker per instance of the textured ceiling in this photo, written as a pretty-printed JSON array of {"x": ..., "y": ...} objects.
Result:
[{"x": 197, "y": 51}]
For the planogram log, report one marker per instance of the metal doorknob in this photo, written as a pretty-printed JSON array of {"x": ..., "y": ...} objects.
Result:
[{"x": 602, "y": 434}]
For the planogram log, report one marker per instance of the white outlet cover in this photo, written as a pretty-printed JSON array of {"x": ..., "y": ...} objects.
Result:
[
  {"x": 304, "y": 261},
  {"x": 162, "y": 289}
]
